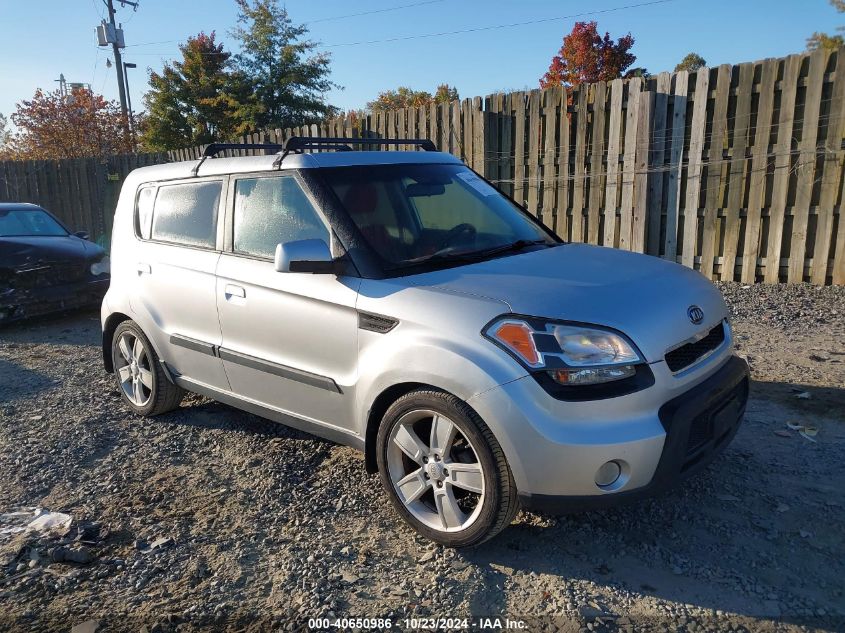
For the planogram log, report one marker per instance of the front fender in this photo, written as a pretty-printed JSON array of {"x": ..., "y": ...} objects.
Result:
[{"x": 462, "y": 368}]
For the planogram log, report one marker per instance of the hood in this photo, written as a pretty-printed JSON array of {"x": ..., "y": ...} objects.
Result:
[
  {"x": 642, "y": 296},
  {"x": 15, "y": 251}
]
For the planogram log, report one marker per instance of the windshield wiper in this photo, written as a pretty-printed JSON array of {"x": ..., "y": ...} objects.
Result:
[
  {"x": 513, "y": 247},
  {"x": 471, "y": 256},
  {"x": 430, "y": 259}
]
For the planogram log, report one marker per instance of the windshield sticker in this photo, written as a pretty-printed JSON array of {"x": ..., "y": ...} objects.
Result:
[{"x": 472, "y": 179}]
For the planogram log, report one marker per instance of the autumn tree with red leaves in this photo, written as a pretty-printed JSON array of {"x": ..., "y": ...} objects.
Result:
[
  {"x": 587, "y": 57},
  {"x": 54, "y": 125}
]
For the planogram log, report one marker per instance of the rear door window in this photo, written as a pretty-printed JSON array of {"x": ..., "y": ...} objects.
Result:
[
  {"x": 271, "y": 211},
  {"x": 187, "y": 213}
]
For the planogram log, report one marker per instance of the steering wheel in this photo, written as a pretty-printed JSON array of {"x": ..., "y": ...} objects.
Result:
[{"x": 457, "y": 231}]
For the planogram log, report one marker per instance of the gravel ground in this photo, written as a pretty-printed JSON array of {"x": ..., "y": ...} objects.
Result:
[{"x": 209, "y": 517}]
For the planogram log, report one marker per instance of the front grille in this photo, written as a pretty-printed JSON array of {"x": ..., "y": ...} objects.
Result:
[
  {"x": 686, "y": 355},
  {"x": 45, "y": 275}
]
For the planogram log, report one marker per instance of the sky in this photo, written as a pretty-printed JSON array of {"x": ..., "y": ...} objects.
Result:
[{"x": 40, "y": 40}]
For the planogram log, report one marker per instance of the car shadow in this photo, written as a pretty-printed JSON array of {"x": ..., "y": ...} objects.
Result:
[
  {"x": 751, "y": 535},
  {"x": 18, "y": 382},
  {"x": 200, "y": 412},
  {"x": 813, "y": 399},
  {"x": 73, "y": 327}
]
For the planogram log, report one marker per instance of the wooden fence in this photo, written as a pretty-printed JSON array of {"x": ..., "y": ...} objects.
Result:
[
  {"x": 736, "y": 171},
  {"x": 81, "y": 192}
]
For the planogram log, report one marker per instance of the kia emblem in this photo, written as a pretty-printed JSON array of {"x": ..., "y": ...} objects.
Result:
[{"x": 695, "y": 314}]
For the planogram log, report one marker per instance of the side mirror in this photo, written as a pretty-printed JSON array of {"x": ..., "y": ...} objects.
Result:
[
  {"x": 305, "y": 256},
  {"x": 83, "y": 235}
]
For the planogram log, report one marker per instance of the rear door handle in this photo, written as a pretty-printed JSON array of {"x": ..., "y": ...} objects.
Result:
[
  {"x": 235, "y": 291},
  {"x": 144, "y": 268}
]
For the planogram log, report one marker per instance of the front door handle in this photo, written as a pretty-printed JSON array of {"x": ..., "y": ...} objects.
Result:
[
  {"x": 235, "y": 291},
  {"x": 144, "y": 268}
]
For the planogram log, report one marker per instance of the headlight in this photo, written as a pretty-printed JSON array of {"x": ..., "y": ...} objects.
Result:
[
  {"x": 586, "y": 347},
  {"x": 101, "y": 267},
  {"x": 570, "y": 354}
]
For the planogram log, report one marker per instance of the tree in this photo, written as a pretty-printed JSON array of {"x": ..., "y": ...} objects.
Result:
[
  {"x": 404, "y": 97},
  {"x": 825, "y": 41},
  {"x": 691, "y": 62},
  {"x": 288, "y": 77},
  {"x": 639, "y": 71},
  {"x": 445, "y": 94},
  {"x": 197, "y": 100},
  {"x": 587, "y": 57},
  {"x": 5, "y": 135},
  {"x": 52, "y": 126}
]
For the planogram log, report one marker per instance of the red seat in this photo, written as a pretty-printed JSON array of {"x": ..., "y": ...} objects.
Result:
[{"x": 361, "y": 201}]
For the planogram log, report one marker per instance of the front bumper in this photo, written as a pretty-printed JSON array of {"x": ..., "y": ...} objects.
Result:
[
  {"x": 658, "y": 435},
  {"x": 22, "y": 303}
]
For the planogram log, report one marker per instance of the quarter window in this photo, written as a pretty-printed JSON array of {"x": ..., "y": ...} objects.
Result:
[
  {"x": 270, "y": 211},
  {"x": 187, "y": 213},
  {"x": 146, "y": 197}
]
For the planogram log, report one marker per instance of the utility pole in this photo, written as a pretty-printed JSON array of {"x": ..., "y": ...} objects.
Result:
[
  {"x": 118, "y": 63},
  {"x": 114, "y": 36},
  {"x": 62, "y": 85},
  {"x": 127, "y": 66}
]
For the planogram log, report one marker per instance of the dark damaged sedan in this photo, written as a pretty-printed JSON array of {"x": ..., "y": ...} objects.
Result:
[{"x": 44, "y": 267}]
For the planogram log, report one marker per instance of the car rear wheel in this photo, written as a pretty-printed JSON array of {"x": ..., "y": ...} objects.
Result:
[
  {"x": 443, "y": 469},
  {"x": 140, "y": 377}
]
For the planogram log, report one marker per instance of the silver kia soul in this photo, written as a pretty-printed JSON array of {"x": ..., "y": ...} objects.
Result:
[{"x": 397, "y": 302}]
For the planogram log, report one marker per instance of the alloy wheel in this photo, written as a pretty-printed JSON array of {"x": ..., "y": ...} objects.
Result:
[
  {"x": 435, "y": 471},
  {"x": 132, "y": 364}
]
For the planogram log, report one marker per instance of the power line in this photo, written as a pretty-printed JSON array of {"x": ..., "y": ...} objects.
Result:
[
  {"x": 704, "y": 192},
  {"x": 94, "y": 71},
  {"x": 445, "y": 33},
  {"x": 355, "y": 15},
  {"x": 150, "y": 44},
  {"x": 663, "y": 138},
  {"x": 328, "y": 19},
  {"x": 500, "y": 26},
  {"x": 97, "y": 10}
]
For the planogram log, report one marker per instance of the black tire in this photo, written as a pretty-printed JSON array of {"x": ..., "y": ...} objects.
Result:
[
  {"x": 164, "y": 396},
  {"x": 499, "y": 503}
]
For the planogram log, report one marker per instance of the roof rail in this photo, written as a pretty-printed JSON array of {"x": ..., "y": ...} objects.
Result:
[
  {"x": 299, "y": 143},
  {"x": 213, "y": 149}
]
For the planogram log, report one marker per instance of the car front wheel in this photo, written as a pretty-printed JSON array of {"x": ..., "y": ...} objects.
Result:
[
  {"x": 443, "y": 469},
  {"x": 141, "y": 379}
]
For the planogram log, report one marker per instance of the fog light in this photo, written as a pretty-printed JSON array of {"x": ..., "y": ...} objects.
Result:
[
  {"x": 101, "y": 267},
  {"x": 607, "y": 474}
]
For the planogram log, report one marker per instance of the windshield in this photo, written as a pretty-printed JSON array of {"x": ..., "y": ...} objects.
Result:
[
  {"x": 29, "y": 223},
  {"x": 413, "y": 214}
]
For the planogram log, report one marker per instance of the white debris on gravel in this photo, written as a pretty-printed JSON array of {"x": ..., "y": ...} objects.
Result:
[
  {"x": 45, "y": 521},
  {"x": 33, "y": 520}
]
